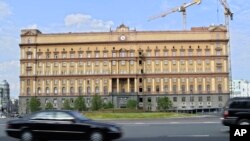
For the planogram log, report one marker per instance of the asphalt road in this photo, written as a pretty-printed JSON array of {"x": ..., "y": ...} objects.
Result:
[{"x": 182, "y": 129}]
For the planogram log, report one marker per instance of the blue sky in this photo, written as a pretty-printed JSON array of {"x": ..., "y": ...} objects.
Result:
[{"x": 100, "y": 15}]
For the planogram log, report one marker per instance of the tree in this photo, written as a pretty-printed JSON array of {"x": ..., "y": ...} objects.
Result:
[
  {"x": 108, "y": 105},
  {"x": 96, "y": 103},
  {"x": 34, "y": 104},
  {"x": 49, "y": 106},
  {"x": 66, "y": 105},
  {"x": 164, "y": 103},
  {"x": 131, "y": 104},
  {"x": 79, "y": 104}
]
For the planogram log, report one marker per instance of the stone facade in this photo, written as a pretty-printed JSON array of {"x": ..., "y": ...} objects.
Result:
[{"x": 127, "y": 64}]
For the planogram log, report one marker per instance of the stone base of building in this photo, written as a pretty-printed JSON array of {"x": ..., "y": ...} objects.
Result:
[{"x": 181, "y": 102}]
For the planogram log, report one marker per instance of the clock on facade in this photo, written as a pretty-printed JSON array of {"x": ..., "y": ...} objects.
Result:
[{"x": 123, "y": 37}]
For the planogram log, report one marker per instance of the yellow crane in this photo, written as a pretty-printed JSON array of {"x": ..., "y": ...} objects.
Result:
[
  {"x": 228, "y": 15},
  {"x": 181, "y": 8}
]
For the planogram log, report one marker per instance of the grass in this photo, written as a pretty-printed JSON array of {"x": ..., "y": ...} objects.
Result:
[{"x": 139, "y": 115}]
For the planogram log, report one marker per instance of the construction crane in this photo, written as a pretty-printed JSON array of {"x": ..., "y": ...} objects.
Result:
[
  {"x": 181, "y": 8},
  {"x": 228, "y": 15}
]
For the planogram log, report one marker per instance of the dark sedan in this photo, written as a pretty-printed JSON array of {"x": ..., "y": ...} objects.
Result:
[{"x": 61, "y": 125}]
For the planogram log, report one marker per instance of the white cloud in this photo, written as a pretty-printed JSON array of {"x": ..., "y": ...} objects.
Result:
[
  {"x": 33, "y": 26},
  {"x": 87, "y": 22},
  {"x": 9, "y": 71},
  {"x": 4, "y": 10}
]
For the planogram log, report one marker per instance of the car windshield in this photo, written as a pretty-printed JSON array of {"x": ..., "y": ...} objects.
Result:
[{"x": 79, "y": 116}]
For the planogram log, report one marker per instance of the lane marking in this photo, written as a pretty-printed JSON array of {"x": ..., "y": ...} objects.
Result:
[
  {"x": 159, "y": 123},
  {"x": 188, "y": 135}
]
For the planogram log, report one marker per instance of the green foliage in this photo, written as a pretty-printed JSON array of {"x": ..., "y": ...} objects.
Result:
[
  {"x": 108, "y": 105},
  {"x": 79, "y": 104},
  {"x": 34, "y": 104},
  {"x": 66, "y": 105},
  {"x": 49, "y": 106},
  {"x": 96, "y": 103},
  {"x": 164, "y": 103},
  {"x": 131, "y": 104}
]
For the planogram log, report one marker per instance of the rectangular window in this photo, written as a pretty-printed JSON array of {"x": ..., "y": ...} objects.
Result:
[
  {"x": 105, "y": 54},
  {"x": 165, "y": 62},
  {"x": 113, "y": 63},
  {"x": 157, "y": 53},
  {"x": 132, "y": 62},
  {"x": 97, "y": 63},
  {"x": 165, "y": 53},
  {"x": 97, "y": 54},
  {"x": 64, "y": 55},
  {"x": 132, "y": 54},
  {"x": 72, "y": 55},
  {"x": 148, "y": 54},
  {"x": 88, "y": 55},
  {"x": 80, "y": 55},
  {"x": 114, "y": 54}
]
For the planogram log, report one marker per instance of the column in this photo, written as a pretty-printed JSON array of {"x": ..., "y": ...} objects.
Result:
[
  {"x": 170, "y": 85},
  {"x": 213, "y": 84},
  {"x": 161, "y": 66},
  {"x": 204, "y": 84},
  {"x": 59, "y": 86},
  {"x": 76, "y": 86},
  {"x": 67, "y": 87},
  {"x": 170, "y": 66},
  {"x": 76, "y": 68},
  {"x": 84, "y": 69},
  {"x": 178, "y": 85},
  {"x": 59, "y": 65},
  {"x": 84, "y": 86},
  {"x": 110, "y": 70},
  {"x": 34, "y": 67},
  {"x": 203, "y": 66},
  {"x": 110, "y": 85},
  {"x": 92, "y": 86},
  {"x": 34, "y": 86},
  {"x": 67, "y": 67},
  {"x": 128, "y": 85},
  {"x": 117, "y": 67},
  {"x": 162, "y": 89},
  {"x": 195, "y": 85},
  {"x": 186, "y": 63},
  {"x": 101, "y": 86},
  {"x": 43, "y": 88},
  {"x": 225, "y": 66},
  {"x": 187, "y": 85},
  {"x": 92, "y": 68},
  {"x": 43, "y": 68},
  {"x": 153, "y": 85},
  {"x": 195, "y": 65},
  {"x": 213, "y": 65},
  {"x": 51, "y": 65},
  {"x": 136, "y": 89},
  {"x": 178, "y": 66},
  {"x": 51, "y": 87},
  {"x": 144, "y": 85},
  {"x": 117, "y": 85},
  {"x": 226, "y": 85}
]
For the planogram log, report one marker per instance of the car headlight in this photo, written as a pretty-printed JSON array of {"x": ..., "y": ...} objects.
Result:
[{"x": 113, "y": 129}]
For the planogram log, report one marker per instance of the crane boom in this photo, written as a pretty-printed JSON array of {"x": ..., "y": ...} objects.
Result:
[{"x": 181, "y": 8}]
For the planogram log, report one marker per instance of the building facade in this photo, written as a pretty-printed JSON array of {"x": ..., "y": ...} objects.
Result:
[
  {"x": 4, "y": 96},
  {"x": 190, "y": 67},
  {"x": 240, "y": 88}
]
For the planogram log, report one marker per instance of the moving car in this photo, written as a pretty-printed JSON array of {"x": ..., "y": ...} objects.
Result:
[
  {"x": 237, "y": 112},
  {"x": 61, "y": 125}
]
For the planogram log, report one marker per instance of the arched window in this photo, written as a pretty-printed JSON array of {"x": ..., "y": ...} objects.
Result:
[
  {"x": 191, "y": 88},
  {"x": 80, "y": 90},
  {"x": 71, "y": 90},
  {"x": 200, "y": 88},
  {"x": 39, "y": 90},
  {"x": 63, "y": 90},
  {"x": 105, "y": 90},
  {"x": 88, "y": 90},
  {"x": 183, "y": 89},
  {"x": 208, "y": 88},
  {"x": 157, "y": 89},
  {"x": 174, "y": 89},
  {"x": 47, "y": 90},
  {"x": 55, "y": 90},
  {"x": 96, "y": 90},
  {"x": 28, "y": 91},
  {"x": 219, "y": 88}
]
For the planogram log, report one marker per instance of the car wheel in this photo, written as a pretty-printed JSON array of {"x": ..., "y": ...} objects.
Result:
[
  {"x": 96, "y": 136},
  {"x": 26, "y": 136},
  {"x": 244, "y": 122}
]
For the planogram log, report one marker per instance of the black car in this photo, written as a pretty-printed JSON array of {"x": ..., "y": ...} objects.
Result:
[
  {"x": 61, "y": 125},
  {"x": 237, "y": 112}
]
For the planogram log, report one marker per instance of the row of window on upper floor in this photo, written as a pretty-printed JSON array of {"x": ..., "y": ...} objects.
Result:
[
  {"x": 121, "y": 54},
  {"x": 132, "y": 62},
  {"x": 105, "y": 81}
]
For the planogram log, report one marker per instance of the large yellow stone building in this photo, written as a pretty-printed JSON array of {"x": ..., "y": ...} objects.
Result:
[{"x": 190, "y": 67}]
